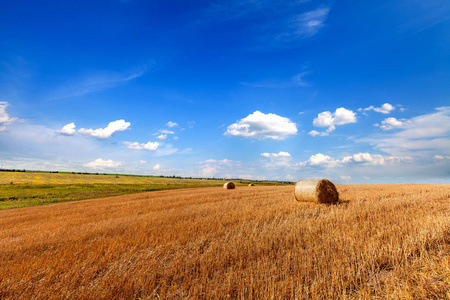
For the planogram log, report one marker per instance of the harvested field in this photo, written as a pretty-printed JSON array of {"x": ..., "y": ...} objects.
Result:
[
  {"x": 23, "y": 189},
  {"x": 380, "y": 241}
]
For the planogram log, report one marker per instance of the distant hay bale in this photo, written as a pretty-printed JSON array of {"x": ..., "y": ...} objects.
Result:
[
  {"x": 251, "y": 184},
  {"x": 322, "y": 191},
  {"x": 229, "y": 185}
]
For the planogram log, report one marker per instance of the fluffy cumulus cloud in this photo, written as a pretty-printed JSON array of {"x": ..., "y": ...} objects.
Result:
[
  {"x": 141, "y": 146},
  {"x": 162, "y": 137},
  {"x": 328, "y": 119},
  {"x": 391, "y": 123},
  {"x": 68, "y": 129},
  {"x": 279, "y": 154},
  {"x": 262, "y": 126},
  {"x": 103, "y": 164},
  {"x": 171, "y": 124},
  {"x": 384, "y": 109},
  {"x": 104, "y": 133},
  {"x": 5, "y": 119},
  {"x": 156, "y": 167},
  {"x": 319, "y": 159}
]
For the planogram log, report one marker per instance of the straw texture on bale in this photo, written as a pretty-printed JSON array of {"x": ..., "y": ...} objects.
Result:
[
  {"x": 229, "y": 185},
  {"x": 251, "y": 184},
  {"x": 322, "y": 191}
]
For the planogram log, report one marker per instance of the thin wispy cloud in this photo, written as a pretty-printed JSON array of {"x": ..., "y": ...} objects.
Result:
[
  {"x": 93, "y": 83},
  {"x": 274, "y": 25},
  {"x": 295, "y": 81},
  {"x": 423, "y": 15},
  {"x": 424, "y": 135},
  {"x": 305, "y": 24},
  {"x": 224, "y": 11},
  {"x": 322, "y": 160}
]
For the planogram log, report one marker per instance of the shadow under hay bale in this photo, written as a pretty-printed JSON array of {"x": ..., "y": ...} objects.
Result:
[
  {"x": 229, "y": 185},
  {"x": 322, "y": 191}
]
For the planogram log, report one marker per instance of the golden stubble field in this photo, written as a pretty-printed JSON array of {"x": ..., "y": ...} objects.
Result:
[{"x": 381, "y": 241}]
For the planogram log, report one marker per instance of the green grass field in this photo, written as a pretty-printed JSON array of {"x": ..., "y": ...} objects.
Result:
[{"x": 23, "y": 189}]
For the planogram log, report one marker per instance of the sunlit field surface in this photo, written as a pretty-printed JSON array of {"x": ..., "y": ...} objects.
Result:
[
  {"x": 380, "y": 241},
  {"x": 23, "y": 189}
]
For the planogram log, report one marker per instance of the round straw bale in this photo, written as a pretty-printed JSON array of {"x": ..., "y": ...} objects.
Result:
[
  {"x": 322, "y": 191},
  {"x": 229, "y": 185},
  {"x": 251, "y": 184}
]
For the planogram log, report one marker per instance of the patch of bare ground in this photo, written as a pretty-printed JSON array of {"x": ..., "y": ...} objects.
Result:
[{"x": 380, "y": 241}]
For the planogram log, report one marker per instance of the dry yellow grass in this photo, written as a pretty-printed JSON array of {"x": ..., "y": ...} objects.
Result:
[{"x": 381, "y": 241}]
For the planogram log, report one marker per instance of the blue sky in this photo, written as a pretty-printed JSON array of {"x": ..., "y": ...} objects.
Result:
[{"x": 356, "y": 92}]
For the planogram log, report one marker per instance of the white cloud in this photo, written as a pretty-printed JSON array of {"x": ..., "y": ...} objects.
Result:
[
  {"x": 279, "y": 154},
  {"x": 441, "y": 157},
  {"x": 142, "y": 162},
  {"x": 156, "y": 167},
  {"x": 137, "y": 146},
  {"x": 345, "y": 177},
  {"x": 164, "y": 131},
  {"x": 162, "y": 137},
  {"x": 68, "y": 129},
  {"x": 390, "y": 123},
  {"x": 320, "y": 159},
  {"x": 289, "y": 177},
  {"x": 104, "y": 133},
  {"x": 328, "y": 119},
  {"x": 419, "y": 136},
  {"x": 5, "y": 119},
  {"x": 102, "y": 164},
  {"x": 208, "y": 171},
  {"x": 375, "y": 159},
  {"x": 220, "y": 168},
  {"x": 280, "y": 159},
  {"x": 314, "y": 133},
  {"x": 384, "y": 109},
  {"x": 262, "y": 126},
  {"x": 295, "y": 81},
  {"x": 171, "y": 124},
  {"x": 96, "y": 82},
  {"x": 306, "y": 24}
]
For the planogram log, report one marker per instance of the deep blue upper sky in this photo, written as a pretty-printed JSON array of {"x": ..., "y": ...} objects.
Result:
[{"x": 351, "y": 90}]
